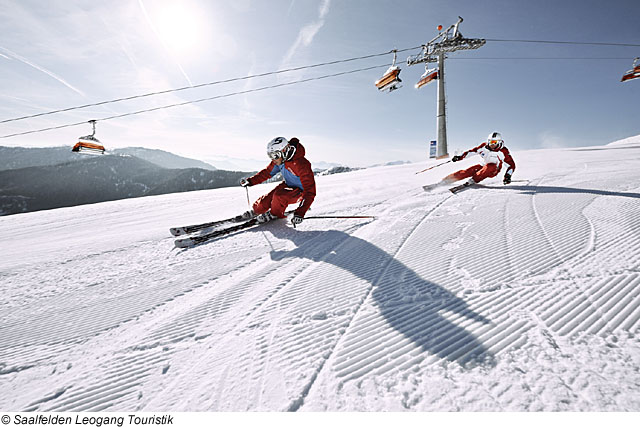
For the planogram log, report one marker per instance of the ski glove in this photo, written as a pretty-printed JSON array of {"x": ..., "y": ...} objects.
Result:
[
  {"x": 245, "y": 182},
  {"x": 507, "y": 179},
  {"x": 456, "y": 158},
  {"x": 296, "y": 220}
]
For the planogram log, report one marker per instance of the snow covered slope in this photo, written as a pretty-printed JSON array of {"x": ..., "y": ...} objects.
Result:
[{"x": 522, "y": 297}]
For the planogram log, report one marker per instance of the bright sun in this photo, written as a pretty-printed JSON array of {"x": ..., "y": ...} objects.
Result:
[{"x": 178, "y": 26}]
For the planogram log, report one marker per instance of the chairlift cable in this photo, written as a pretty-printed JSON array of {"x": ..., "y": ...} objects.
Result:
[
  {"x": 244, "y": 92},
  {"x": 201, "y": 100},
  {"x": 536, "y": 58},
  {"x": 564, "y": 42},
  {"x": 285, "y": 84},
  {"x": 234, "y": 79}
]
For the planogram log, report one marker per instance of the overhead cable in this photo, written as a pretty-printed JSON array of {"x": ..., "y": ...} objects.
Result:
[
  {"x": 475, "y": 58},
  {"x": 564, "y": 42},
  {"x": 234, "y": 79},
  {"x": 199, "y": 100}
]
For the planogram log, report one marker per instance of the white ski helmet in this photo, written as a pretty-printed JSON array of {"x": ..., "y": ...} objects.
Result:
[
  {"x": 494, "y": 140},
  {"x": 280, "y": 148},
  {"x": 276, "y": 146}
]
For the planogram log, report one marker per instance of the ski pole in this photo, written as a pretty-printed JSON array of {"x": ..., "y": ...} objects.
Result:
[
  {"x": 339, "y": 217},
  {"x": 443, "y": 163},
  {"x": 248, "y": 201}
]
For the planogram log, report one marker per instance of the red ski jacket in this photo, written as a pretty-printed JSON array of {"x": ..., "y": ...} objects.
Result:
[{"x": 297, "y": 173}]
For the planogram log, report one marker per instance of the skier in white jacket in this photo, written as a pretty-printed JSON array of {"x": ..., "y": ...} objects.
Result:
[{"x": 494, "y": 154}]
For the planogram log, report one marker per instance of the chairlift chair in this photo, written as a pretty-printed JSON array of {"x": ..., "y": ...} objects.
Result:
[
  {"x": 89, "y": 144},
  {"x": 634, "y": 73},
  {"x": 390, "y": 81},
  {"x": 429, "y": 75}
]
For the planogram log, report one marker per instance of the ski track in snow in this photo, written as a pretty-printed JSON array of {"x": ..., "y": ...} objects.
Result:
[{"x": 523, "y": 297}]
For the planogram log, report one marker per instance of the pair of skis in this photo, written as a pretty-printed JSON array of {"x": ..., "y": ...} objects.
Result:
[
  {"x": 190, "y": 241},
  {"x": 181, "y": 231},
  {"x": 454, "y": 190},
  {"x": 462, "y": 187},
  {"x": 236, "y": 224}
]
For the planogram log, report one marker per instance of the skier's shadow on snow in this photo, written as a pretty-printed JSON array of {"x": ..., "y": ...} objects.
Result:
[
  {"x": 544, "y": 189},
  {"x": 412, "y": 305}
]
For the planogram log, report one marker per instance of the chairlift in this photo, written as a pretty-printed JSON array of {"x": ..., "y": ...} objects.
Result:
[
  {"x": 429, "y": 75},
  {"x": 390, "y": 81},
  {"x": 634, "y": 73},
  {"x": 89, "y": 144}
]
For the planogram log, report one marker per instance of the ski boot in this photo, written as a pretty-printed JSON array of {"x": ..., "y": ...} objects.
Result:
[
  {"x": 245, "y": 216},
  {"x": 265, "y": 217}
]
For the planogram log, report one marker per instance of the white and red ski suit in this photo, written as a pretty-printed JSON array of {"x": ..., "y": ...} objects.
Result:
[{"x": 493, "y": 160}]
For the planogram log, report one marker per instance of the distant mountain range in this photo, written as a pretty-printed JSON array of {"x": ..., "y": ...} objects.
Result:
[
  {"x": 163, "y": 158},
  {"x": 19, "y": 157},
  {"x": 234, "y": 163},
  {"x": 338, "y": 169},
  {"x": 33, "y": 179}
]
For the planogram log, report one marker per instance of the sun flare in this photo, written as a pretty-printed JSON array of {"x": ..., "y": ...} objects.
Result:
[{"x": 178, "y": 26}]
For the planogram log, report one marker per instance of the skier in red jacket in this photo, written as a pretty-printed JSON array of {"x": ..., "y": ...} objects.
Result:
[
  {"x": 299, "y": 185},
  {"x": 494, "y": 154}
]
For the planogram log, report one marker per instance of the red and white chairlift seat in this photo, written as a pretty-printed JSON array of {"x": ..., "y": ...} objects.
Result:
[
  {"x": 83, "y": 146},
  {"x": 89, "y": 144},
  {"x": 428, "y": 76},
  {"x": 391, "y": 80},
  {"x": 634, "y": 73}
]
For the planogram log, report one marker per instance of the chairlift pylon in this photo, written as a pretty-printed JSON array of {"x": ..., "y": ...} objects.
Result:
[
  {"x": 89, "y": 144},
  {"x": 390, "y": 81},
  {"x": 633, "y": 73}
]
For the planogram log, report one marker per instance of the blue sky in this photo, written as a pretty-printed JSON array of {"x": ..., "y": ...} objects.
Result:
[{"x": 77, "y": 52}]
